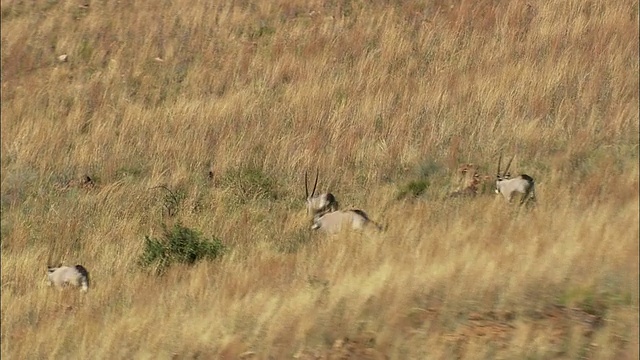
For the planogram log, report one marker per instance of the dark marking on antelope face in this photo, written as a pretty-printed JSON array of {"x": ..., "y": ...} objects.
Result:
[{"x": 322, "y": 203}]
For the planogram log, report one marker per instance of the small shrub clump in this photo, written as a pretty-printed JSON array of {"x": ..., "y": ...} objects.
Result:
[
  {"x": 412, "y": 189},
  {"x": 179, "y": 244}
]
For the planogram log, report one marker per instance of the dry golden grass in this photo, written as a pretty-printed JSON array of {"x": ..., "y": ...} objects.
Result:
[{"x": 376, "y": 96}]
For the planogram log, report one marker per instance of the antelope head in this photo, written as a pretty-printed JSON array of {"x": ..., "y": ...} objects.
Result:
[
  {"x": 318, "y": 204},
  {"x": 508, "y": 186},
  {"x": 326, "y": 216}
]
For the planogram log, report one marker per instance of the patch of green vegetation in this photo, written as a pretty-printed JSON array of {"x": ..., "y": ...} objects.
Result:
[
  {"x": 179, "y": 244},
  {"x": 421, "y": 181},
  {"x": 263, "y": 29},
  {"x": 86, "y": 50},
  {"x": 429, "y": 168},
  {"x": 592, "y": 301},
  {"x": 412, "y": 189},
  {"x": 18, "y": 185},
  {"x": 249, "y": 183},
  {"x": 129, "y": 171},
  {"x": 340, "y": 98}
]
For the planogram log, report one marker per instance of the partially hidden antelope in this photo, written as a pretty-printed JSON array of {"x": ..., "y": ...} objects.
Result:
[
  {"x": 508, "y": 186},
  {"x": 326, "y": 215},
  {"x": 62, "y": 276}
]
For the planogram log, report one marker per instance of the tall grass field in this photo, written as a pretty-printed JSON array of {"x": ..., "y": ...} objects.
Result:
[{"x": 163, "y": 145}]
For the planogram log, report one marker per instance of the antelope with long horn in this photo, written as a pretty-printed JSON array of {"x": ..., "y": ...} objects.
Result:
[
  {"x": 319, "y": 204},
  {"x": 507, "y": 186},
  {"x": 326, "y": 215}
]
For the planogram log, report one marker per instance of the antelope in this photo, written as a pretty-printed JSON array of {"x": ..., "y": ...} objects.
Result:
[
  {"x": 326, "y": 215},
  {"x": 61, "y": 276},
  {"x": 507, "y": 186}
]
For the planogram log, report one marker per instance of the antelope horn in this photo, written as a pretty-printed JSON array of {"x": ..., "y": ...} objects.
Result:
[
  {"x": 306, "y": 189},
  {"x": 508, "y": 165},
  {"x": 315, "y": 183},
  {"x": 499, "y": 161}
]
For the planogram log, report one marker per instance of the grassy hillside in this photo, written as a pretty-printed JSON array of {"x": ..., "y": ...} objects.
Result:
[{"x": 207, "y": 114}]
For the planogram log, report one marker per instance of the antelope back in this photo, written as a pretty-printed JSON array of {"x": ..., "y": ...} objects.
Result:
[
  {"x": 64, "y": 275},
  {"x": 334, "y": 222},
  {"x": 60, "y": 275},
  {"x": 522, "y": 184}
]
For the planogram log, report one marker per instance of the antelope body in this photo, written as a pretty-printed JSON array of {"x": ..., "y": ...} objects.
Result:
[
  {"x": 508, "y": 187},
  {"x": 333, "y": 222},
  {"x": 326, "y": 215},
  {"x": 61, "y": 276}
]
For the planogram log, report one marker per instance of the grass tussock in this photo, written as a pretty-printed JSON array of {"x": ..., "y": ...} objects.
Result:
[{"x": 199, "y": 117}]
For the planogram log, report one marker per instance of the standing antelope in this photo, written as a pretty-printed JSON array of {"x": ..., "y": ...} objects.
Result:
[
  {"x": 506, "y": 186},
  {"x": 327, "y": 217},
  {"x": 61, "y": 276}
]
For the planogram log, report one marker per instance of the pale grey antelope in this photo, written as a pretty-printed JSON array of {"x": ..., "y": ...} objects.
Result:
[
  {"x": 326, "y": 215},
  {"x": 62, "y": 276},
  {"x": 508, "y": 187}
]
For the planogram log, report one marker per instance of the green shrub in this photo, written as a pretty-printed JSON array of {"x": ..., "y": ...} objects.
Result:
[
  {"x": 412, "y": 189},
  {"x": 178, "y": 245}
]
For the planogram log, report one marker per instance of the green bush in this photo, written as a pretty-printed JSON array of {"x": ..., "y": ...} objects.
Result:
[
  {"x": 178, "y": 245},
  {"x": 412, "y": 189}
]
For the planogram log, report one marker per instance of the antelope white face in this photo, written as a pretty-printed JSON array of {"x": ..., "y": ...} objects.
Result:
[
  {"x": 321, "y": 203},
  {"x": 523, "y": 184},
  {"x": 498, "y": 181},
  {"x": 502, "y": 177}
]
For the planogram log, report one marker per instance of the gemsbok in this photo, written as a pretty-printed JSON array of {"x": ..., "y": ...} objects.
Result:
[
  {"x": 62, "y": 276},
  {"x": 326, "y": 215},
  {"x": 507, "y": 186}
]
